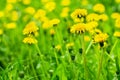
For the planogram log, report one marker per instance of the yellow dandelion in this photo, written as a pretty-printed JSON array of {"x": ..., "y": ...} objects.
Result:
[
  {"x": 102, "y": 37},
  {"x": 1, "y": 31},
  {"x": 92, "y": 17},
  {"x": 46, "y": 25},
  {"x": 99, "y": 8},
  {"x": 117, "y": 1},
  {"x": 68, "y": 45},
  {"x": 29, "y": 40},
  {"x": 30, "y": 28},
  {"x": 30, "y": 10},
  {"x": 115, "y": 15},
  {"x": 65, "y": 2},
  {"x": 103, "y": 17},
  {"x": 11, "y": 25},
  {"x": 11, "y": 1},
  {"x": 116, "y": 34},
  {"x": 8, "y": 7},
  {"x": 54, "y": 22},
  {"x": 52, "y": 31},
  {"x": 117, "y": 23},
  {"x": 40, "y": 14},
  {"x": 86, "y": 38},
  {"x": 2, "y": 14},
  {"x": 78, "y": 28},
  {"x": 58, "y": 47},
  {"x": 14, "y": 16},
  {"x": 91, "y": 25},
  {"x": 65, "y": 12},
  {"x": 78, "y": 15},
  {"x": 26, "y": 2},
  {"x": 50, "y": 6}
]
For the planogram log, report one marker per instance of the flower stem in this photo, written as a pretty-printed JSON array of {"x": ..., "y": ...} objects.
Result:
[
  {"x": 100, "y": 64},
  {"x": 84, "y": 57},
  {"x": 40, "y": 54}
]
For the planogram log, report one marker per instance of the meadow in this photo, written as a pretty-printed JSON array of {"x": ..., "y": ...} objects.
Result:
[{"x": 59, "y": 39}]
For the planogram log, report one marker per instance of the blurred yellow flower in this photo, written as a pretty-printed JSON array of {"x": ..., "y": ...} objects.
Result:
[
  {"x": 65, "y": 12},
  {"x": 39, "y": 14},
  {"x": 46, "y": 25},
  {"x": 78, "y": 15},
  {"x": 58, "y": 47},
  {"x": 65, "y": 2},
  {"x": 117, "y": 1},
  {"x": 30, "y": 28},
  {"x": 50, "y": 6},
  {"x": 92, "y": 17},
  {"x": 54, "y": 22},
  {"x": 8, "y": 7},
  {"x": 99, "y": 8},
  {"x": 68, "y": 45},
  {"x": 2, "y": 14},
  {"x": 115, "y": 15},
  {"x": 116, "y": 34},
  {"x": 52, "y": 31},
  {"x": 11, "y": 25},
  {"x": 29, "y": 40},
  {"x": 78, "y": 28},
  {"x": 102, "y": 37},
  {"x": 30, "y": 10},
  {"x": 14, "y": 16},
  {"x": 1, "y": 31},
  {"x": 26, "y": 2},
  {"x": 117, "y": 22},
  {"x": 103, "y": 17},
  {"x": 11, "y": 1},
  {"x": 86, "y": 38},
  {"x": 91, "y": 25},
  {"x": 85, "y": 2}
]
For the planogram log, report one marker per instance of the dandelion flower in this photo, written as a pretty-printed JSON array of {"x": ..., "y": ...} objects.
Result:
[
  {"x": 29, "y": 40},
  {"x": 78, "y": 15},
  {"x": 30, "y": 28},
  {"x": 99, "y": 8},
  {"x": 78, "y": 28},
  {"x": 117, "y": 34}
]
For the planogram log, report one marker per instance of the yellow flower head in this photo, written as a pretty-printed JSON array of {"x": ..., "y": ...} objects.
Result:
[
  {"x": 65, "y": 2},
  {"x": 11, "y": 25},
  {"x": 30, "y": 10},
  {"x": 14, "y": 16},
  {"x": 92, "y": 17},
  {"x": 102, "y": 37},
  {"x": 115, "y": 15},
  {"x": 11, "y": 1},
  {"x": 2, "y": 14},
  {"x": 99, "y": 8},
  {"x": 68, "y": 45},
  {"x": 9, "y": 7},
  {"x": 117, "y": 34},
  {"x": 78, "y": 28},
  {"x": 85, "y": 2},
  {"x": 1, "y": 31},
  {"x": 30, "y": 28},
  {"x": 78, "y": 15},
  {"x": 29, "y": 40},
  {"x": 58, "y": 47},
  {"x": 65, "y": 12},
  {"x": 50, "y": 6},
  {"x": 103, "y": 17},
  {"x": 91, "y": 25},
  {"x": 26, "y": 2},
  {"x": 117, "y": 1},
  {"x": 95, "y": 31},
  {"x": 117, "y": 23},
  {"x": 46, "y": 25},
  {"x": 86, "y": 38},
  {"x": 40, "y": 14},
  {"x": 52, "y": 31},
  {"x": 54, "y": 22}
]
